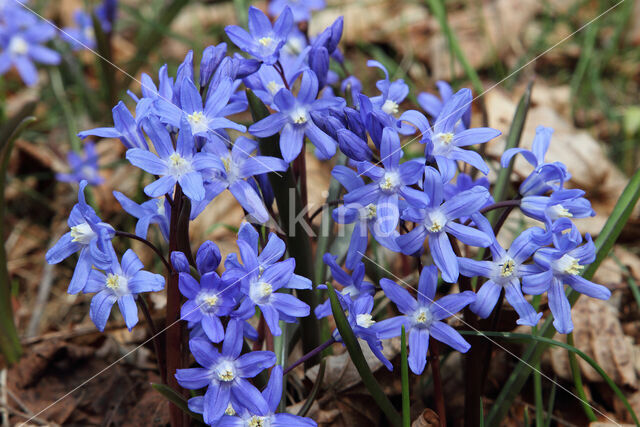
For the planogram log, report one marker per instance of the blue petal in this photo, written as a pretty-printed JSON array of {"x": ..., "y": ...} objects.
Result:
[
  {"x": 100, "y": 308},
  {"x": 444, "y": 257},
  {"x": 291, "y": 141},
  {"x": 560, "y": 307},
  {"x": 446, "y": 334},
  {"x": 251, "y": 364},
  {"x": 62, "y": 249},
  {"x": 269, "y": 125},
  {"x": 451, "y": 304},
  {"x": 400, "y": 296},
  {"x": 418, "y": 346},
  {"x": 486, "y": 299},
  {"x": 146, "y": 161},
  {"x": 129, "y": 310}
]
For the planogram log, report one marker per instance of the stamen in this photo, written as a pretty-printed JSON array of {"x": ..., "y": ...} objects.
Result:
[
  {"x": 265, "y": 41},
  {"x": 364, "y": 320},
  {"x": 390, "y": 107}
]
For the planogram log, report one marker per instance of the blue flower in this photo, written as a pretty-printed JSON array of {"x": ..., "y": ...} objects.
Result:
[
  {"x": 390, "y": 182},
  {"x": 83, "y": 167},
  {"x": 122, "y": 283},
  {"x": 436, "y": 220},
  {"x": 261, "y": 286},
  {"x": 83, "y": 35},
  {"x": 207, "y": 301},
  {"x": 301, "y": 9},
  {"x": 293, "y": 118},
  {"x": 503, "y": 272},
  {"x": 125, "y": 128},
  {"x": 208, "y": 257},
  {"x": 21, "y": 39},
  {"x": 89, "y": 236},
  {"x": 393, "y": 93},
  {"x": 234, "y": 167},
  {"x": 562, "y": 264},
  {"x": 364, "y": 217},
  {"x": 154, "y": 211},
  {"x": 363, "y": 325},
  {"x": 271, "y": 253},
  {"x": 422, "y": 318},
  {"x": 545, "y": 176},
  {"x": 224, "y": 374},
  {"x": 212, "y": 57},
  {"x": 106, "y": 14},
  {"x": 263, "y": 41},
  {"x": 433, "y": 106},
  {"x": 445, "y": 139},
  {"x": 354, "y": 285},
  {"x": 174, "y": 165},
  {"x": 204, "y": 120},
  {"x": 272, "y": 394},
  {"x": 561, "y": 204}
]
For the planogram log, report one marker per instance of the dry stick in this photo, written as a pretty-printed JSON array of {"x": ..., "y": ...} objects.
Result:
[
  {"x": 149, "y": 244},
  {"x": 434, "y": 360}
]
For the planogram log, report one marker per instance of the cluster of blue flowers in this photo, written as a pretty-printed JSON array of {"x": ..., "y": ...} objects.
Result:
[
  {"x": 23, "y": 36},
  {"x": 181, "y": 134}
]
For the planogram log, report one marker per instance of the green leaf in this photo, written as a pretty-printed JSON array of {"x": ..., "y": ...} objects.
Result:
[
  {"x": 314, "y": 391},
  {"x": 527, "y": 337},
  {"x": 439, "y": 11},
  {"x": 404, "y": 372},
  {"x": 513, "y": 141},
  {"x": 577, "y": 380},
  {"x": 177, "y": 399},
  {"x": 604, "y": 243},
  {"x": 357, "y": 357},
  {"x": 9, "y": 341}
]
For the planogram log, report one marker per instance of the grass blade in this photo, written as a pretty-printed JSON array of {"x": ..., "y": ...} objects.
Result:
[
  {"x": 404, "y": 372},
  {"x": 552, "y": 401},
  {"x": 357, "y": 357},
  {"x": 9, "y": 342},
  {"x": 177, "y": 399},
  {"x": 577, "y": 379},
  {"x": 548, "y": 341},
  {"x": 604, "y": 243},
  {"x": 500, "y": 188},
  {"x": 438, "y": 9}
]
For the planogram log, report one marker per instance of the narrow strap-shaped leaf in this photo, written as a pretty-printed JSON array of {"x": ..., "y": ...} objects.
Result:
[
  {"x": 314, "y": 390},
  {"x": 176, "y": 399},
  {"x": 577, "y": 380},
  {"x": 604, "y": 243},
  {"x": 357, "y": 357},
  {"x": 404, "y": 372},
  {"x": 9, "y": 342},
  {"x": 501, "y": 186},
  {"x": 583, "y": 356}
]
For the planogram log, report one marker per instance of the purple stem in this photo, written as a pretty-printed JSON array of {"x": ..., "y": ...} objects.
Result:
[{"x": 309, "y": 355}]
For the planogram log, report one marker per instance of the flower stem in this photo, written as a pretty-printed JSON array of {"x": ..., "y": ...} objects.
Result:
[
  {"x": 149, "y": 244},
  {"x": 309, "y": 355},
  {"x": 434, "y": 360},
  {"x": 280, "y": 70}
]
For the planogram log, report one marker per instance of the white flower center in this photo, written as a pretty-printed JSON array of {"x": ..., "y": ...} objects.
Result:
[
  {"x": 198, "y": 121},
  {"x": 273, "y": 87},
  {"x": 568, "y": 265},
  {"x": 82, "y": 233},
  {"x": 208, "y": 301},
  {"x": 258, "y": 421},
  {"x": 364, "y": 320},
  {"x": 18, "y": 46},
  {"x": 559, "y": 211},
  {"x": 507, "y": 268},
  {"x": 370, "y": 211},
  {"x": 178, "y": 165},
  {"x": 299, "y": 116},
  {"x": 230, "y": 411},
  {"x": 390, "y": 181},
  {"x": 390, "y": 107},
  {"x": 117, "y": 283},
  {"x": 265, "y": 41},
  {"x": 226, "y": 371},
  {"x": 435, "y": 221},
  {"x": 293, "y": 46},
  {"x": 265, "y": 289},
  {"x": 160, "y": 206},
  {"x": 350, "y": 290},
  {"x": 423, "y": 317},
  {"x": 89, "y": 33}
]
